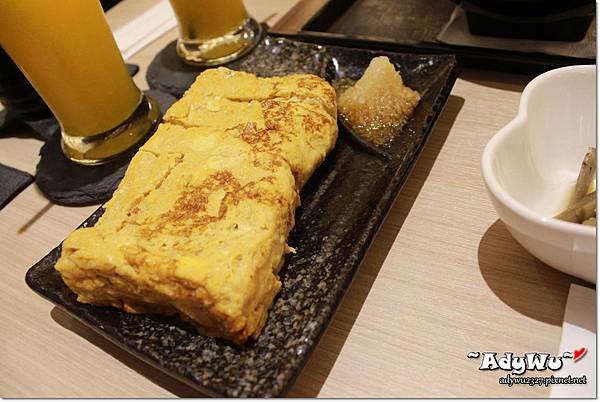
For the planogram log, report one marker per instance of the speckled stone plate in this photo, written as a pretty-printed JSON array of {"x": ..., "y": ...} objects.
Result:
[{"x": 343, "y": 205}]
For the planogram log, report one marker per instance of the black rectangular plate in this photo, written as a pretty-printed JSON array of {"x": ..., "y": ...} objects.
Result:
[
  {"x": 416, "y": 32},
  {"x": 343, "y": 206}
]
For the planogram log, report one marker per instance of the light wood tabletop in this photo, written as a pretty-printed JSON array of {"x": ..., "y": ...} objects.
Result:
[{"x": 442, "y": 278}]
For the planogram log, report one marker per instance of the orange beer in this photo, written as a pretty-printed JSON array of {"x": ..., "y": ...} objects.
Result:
[
  {"x": 208, "y": 19},
  {"x": 213, "y": 31},
  {"x": 66, "y": 50}
]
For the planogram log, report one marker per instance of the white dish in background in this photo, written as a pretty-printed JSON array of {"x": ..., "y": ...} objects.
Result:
[{"x": 531, "y": 165}]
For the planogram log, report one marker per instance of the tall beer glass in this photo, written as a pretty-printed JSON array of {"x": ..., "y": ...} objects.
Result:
[
  {"x": 66, "y": 50},
  {"x": 213, "y": 32}
]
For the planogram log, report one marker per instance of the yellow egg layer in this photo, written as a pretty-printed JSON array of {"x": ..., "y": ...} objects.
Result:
[{"x": 200, "y": 222}]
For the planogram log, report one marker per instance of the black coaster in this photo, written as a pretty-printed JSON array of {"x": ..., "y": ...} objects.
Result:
[
  {"x": 272, "y": 56},
  {"x": 164, "y": 100},
  {"x": 67, "y": 183},
  {"x": 12, "y": 182},
  {"x": 169, "y": 74}
]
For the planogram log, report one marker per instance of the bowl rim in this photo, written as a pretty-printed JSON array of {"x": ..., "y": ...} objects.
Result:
[{"x": 492, "y": 182}]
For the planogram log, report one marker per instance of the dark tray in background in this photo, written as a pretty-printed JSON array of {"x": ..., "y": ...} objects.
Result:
[
  {"x": 549, "y": 20},
  {"x": 413, "y": 25},
  {"x": 343, "y": 205}
]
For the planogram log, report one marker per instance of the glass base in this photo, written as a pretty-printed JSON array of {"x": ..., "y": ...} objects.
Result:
[
  {"x": 221, "y": 50},
  {"x": 104, "y": 147}
]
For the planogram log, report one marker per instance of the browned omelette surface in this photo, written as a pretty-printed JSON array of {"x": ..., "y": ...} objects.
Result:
[{"x": 200, "y": 222}]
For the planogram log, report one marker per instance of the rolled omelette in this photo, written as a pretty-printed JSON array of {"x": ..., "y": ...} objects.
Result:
[{"x": 199, "y": 224}]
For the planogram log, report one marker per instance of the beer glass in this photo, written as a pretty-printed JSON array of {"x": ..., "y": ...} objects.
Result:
[
  {"x": 213, "y": 32},
  {"x": 66, "y": 50}
]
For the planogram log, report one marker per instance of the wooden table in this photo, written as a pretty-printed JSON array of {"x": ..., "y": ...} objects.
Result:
[{"x": 443, "y": 276}]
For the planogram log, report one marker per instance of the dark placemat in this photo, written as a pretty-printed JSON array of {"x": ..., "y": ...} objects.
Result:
[
  {"x": 41, "y": 127},
  {"x": 343, "y": 205},
  {"x": 67, "y": 183},
  {"x": 169, "y": 74},
  {"x": 12, "y": 182},
  {"x": 7, "y": 121}
]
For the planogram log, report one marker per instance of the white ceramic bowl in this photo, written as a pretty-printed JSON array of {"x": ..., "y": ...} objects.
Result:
[{"x": 530, "y": 168}]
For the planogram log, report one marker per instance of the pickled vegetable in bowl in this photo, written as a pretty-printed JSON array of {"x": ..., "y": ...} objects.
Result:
[
  {"x": 532, "y": 169},
  {"x": 582, "y": 207},
  {"x": 378, "y": 105}
]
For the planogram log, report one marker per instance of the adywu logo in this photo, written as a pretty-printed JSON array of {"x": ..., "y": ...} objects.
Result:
[{"x": 534, "y": 361}]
